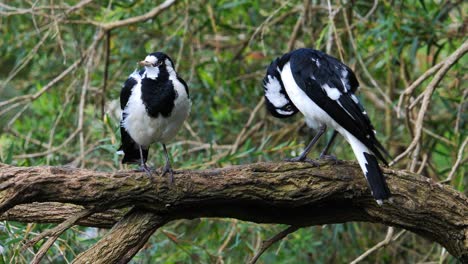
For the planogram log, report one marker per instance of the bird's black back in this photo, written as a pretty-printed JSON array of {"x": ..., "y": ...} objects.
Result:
[{"x": 347, "y": 112}]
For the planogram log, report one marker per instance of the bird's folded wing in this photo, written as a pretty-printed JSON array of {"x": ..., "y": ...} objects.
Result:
[{"x": 330, "y": 84}]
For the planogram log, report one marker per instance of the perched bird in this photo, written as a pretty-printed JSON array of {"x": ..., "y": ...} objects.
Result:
[
  {"x": 322, "y": 88},
  {"x": 155, "y": 103}
]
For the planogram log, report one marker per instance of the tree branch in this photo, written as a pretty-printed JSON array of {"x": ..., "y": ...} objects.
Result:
[
  {"x": 52, "y": 212},
  {"x": 134, "y": 230},
  {"x": 152, "y": 13},
  {"x": 287, "y": 193}
]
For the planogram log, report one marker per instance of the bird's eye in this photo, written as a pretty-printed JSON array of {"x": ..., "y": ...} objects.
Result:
[{"x": 157, "y": 64}]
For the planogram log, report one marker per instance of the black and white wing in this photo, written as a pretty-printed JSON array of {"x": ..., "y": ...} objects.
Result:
[
  {"x": 330, "y": 85},
  {"x": 276, "y": 99},
  {"x": 129, "y": 147}
]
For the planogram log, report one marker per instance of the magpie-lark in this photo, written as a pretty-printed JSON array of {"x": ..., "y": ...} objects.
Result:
[
  {"x": 322, "y": 88},
  {"x": 155, "y": 103}
]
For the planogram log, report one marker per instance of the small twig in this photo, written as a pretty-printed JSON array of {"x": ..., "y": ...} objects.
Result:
[
  {"x": 457, "y": 162},
  {"x": 261, "y": 28},
  {"x": 363, "y": 65},
  {"x": 423, "y": 164},
  {"x": 267, "y": 243},
  {"x": 25, "y": 60},
  {"x": 448, "y": 62},
  {"x": 297, "y": 26},
  {"x": 106, "y": 73},
  {"x": 59, "y": 229},
  {"x": 49, "y": 151},
  {"x": 227, "y": 240},
  {"x": 371, "y": 11},
  {"x": 383, "y": 243},
  {"x": 236, "y": 144},
  {"x": 460, "y": 109},
  {"x": 332, "y": 30},
  {"x": 152, "y": 13},
  {"x": 54, "y": 233},
  {"x": 415, "y": 84}
]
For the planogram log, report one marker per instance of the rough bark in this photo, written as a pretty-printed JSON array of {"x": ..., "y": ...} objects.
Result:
[
  {"x": 134, "y": 229},
  {"x": 52, "y": 212},
  {"x": 289, "y": 193}
]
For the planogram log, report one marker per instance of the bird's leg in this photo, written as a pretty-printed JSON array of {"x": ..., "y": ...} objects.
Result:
[
  {"x": 323, "y": 154},
  {"x": 143, "y": 166},
  {"x": 303, "y": 156},
  {"x": 167, "y": 167}
]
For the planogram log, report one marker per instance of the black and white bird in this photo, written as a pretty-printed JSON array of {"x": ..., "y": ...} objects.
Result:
[
  {"x": 322, "y": 88},
  {"x": 155, "y": 102}
]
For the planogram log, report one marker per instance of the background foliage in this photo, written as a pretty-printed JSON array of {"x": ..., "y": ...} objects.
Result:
[{"x": 221, "y": 49}]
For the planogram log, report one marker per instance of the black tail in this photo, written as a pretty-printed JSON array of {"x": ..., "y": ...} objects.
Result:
[
  {"x": 376, "y": 179},
  {"x": 131, "y": 149}
]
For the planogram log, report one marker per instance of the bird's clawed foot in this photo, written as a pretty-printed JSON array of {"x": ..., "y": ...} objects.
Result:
[
  {"x": 168, "y": 169},
  {"x": 144, "y": 168},
  {"x": 332, "y": 158},
  {"x": 303, "y": 159}
]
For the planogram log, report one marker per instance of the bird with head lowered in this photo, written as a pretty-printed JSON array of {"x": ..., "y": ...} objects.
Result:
[
  {"x": 155, "y": 102},
  {"x": 322, "y": 88}
]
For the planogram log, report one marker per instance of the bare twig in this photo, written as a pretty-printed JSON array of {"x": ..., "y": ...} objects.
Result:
[
  {"x": 54, "y": 233},
  {"x": 363, "y": 65},
  {"x": 383, "y": 243},
  {"x": 460, "y": 109},
  {"x": 299, "y": 23},
  {"x": 408, "y": 91},
  {"x": 236, "y": 144},
  {"x": 457, "y": 162},
  {"x": 106, "y": 73},
  {"x": 122, "y": 23},
  {"x": 447, "y": 64},
  {"x": 268, "y": 243},
  {"x": 227, "y": 240}
]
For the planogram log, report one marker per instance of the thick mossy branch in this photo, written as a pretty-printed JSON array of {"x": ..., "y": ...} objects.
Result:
[{"x": 288, "y": 193}]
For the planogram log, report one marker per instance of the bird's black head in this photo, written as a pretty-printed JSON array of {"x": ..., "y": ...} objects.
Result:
[{"x": 157, "y": 59}]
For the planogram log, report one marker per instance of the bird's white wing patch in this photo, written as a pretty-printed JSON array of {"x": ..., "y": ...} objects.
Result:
[
  {"x": 332, "y": 93},
  {"x": 314, "y": 115},
  {"x": 272, "y": 92}
]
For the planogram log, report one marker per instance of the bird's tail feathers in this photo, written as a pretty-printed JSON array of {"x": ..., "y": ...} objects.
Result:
[
  {"x": 369, "y": 165},
  {"x": 131, "y": 149},
  {"x": 132, "y": 153}
]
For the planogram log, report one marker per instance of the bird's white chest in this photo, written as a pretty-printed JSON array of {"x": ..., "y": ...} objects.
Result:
[
  {"x": 145, "y": 129},
  {"x": 314, "y": 115}
]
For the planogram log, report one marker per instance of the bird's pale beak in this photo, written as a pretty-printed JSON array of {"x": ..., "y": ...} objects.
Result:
[{"x": 145, "y": 63}]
